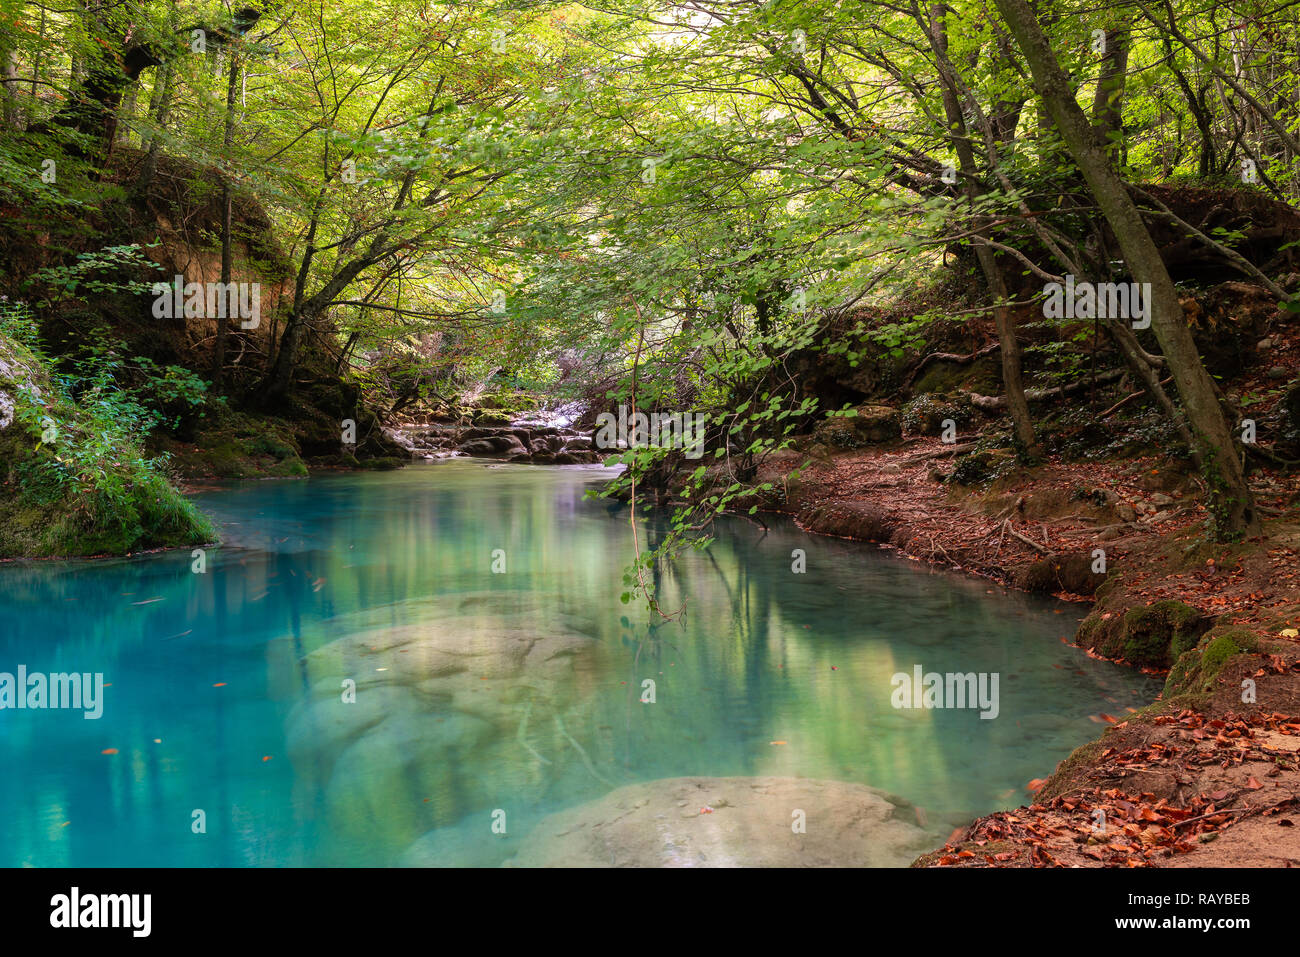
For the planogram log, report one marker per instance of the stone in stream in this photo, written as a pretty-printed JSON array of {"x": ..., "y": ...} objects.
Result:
[
  {"x": 468, "y": 843},
  {"x": 730, "y": 822},
  {"x": 436, "y": 703},
  {"x": 575, "y": 457},
  {"x": 517, "y": 442},
  {"x": 546, "y": 444},
  {"x": 477, "y": 447},
  {"x": 379, "y": 782},
  {"x": 507, "y": 444}
]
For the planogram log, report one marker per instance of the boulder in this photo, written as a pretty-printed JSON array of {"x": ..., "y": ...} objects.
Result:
[
  {"x": 478, "y": 447},
  {"x": 872, "y": 425},
  {"x": 1154, "y": 635},
  {"x": 1062, "y": 573},
  {"x": 731, "y": 822},
  {"x": 982, "y": 465},
  {"x": 926, "y": 414},
  {"x": 500, "y": 444}
]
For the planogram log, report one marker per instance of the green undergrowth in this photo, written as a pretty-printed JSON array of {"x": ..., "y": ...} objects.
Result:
[
  {"x": 235, "y": 445},
  {"x": 74, "y": 477}
]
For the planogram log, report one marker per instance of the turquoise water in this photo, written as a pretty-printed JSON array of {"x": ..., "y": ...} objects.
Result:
[{"x": 481, "y": 689}]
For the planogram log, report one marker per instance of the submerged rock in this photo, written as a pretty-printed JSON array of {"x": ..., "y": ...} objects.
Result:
[
  {"x": 398, "y": 718},
  {"x": 731, "y": 822}
]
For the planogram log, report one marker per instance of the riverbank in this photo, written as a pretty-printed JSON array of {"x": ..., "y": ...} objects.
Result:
[{"x": 1206, "y": 775}]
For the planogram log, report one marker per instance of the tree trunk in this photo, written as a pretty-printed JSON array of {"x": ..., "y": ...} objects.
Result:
[
  {"x": 116, "y": 63},
  {"x": 223, "y": 320},
  {"x": 1231, "y": 506},
  {"x": 1108, "y": 102},
  {"x": 159, "y": 107},
  {"x": 1012, "y": 376},
  {"x": 11, "y": 111}
]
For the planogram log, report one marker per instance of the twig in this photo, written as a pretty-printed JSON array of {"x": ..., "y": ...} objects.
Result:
[
  {"x": 1231, "y": 810},
  {"x": 1028, "y": 541},
  {"x": 523, "y": 729},
  {"x": 583, "y": 754},
  {"x": 938, "y": 454},
  {"x": 1128, "y": 398}
]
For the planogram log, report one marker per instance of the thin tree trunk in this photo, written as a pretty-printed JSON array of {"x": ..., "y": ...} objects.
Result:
[
  {"x": 223, "y": 320},
  {"x": 1108, "y": 102},
  {"x": 1231, "y": 505},
  {"x": 11, "y": 83},
  {"x": 1012, "y": 375}
]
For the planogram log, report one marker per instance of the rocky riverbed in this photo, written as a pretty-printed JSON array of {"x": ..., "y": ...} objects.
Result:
[{"x": 521, "y": 441}]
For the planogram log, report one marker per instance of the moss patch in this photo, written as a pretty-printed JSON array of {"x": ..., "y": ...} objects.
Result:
[
  {"x": 983, "y": 376},
  {"x": 231, "y": 445},
  {"x": 1152, "y": 635},
  {"x": 1195, "y": 670},
  {"x": 87, "y": 490},
  {"x": 383, "y": 464}
]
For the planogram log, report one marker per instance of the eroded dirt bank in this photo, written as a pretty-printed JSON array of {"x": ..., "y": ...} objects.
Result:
[{"x": 1206, "y": 776}]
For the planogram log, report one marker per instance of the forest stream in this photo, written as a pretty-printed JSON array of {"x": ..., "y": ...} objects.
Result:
[{"x": 471, "y": 612}]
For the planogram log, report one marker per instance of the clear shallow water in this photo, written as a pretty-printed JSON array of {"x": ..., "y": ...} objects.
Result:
[{"x": 479, "y": 690}]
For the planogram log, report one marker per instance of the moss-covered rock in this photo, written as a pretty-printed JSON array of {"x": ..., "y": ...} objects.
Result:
[
  {"x": 383, "y": 463},
  {"x": 869, "y": 425},
  {"x": 510, "y": 402},
  {"x": 983, "y": 465},
  {"x": 1195, "y": 670},
  {"x": 984, "y": 376},
  {"x": 1153, "y": 635},
  {"x": 926, "y": 414},
  {"x": 235, "y": 445}
]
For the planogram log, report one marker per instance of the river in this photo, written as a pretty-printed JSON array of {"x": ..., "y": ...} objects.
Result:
[{"x": 420, "y": 666}]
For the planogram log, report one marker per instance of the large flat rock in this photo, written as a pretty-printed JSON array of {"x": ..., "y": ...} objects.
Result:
[{"x": 665, "y": 824}]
